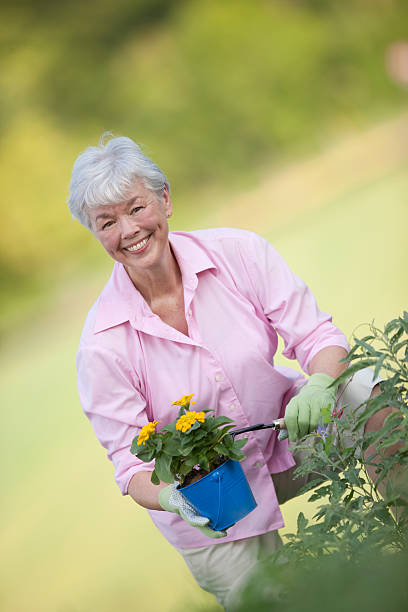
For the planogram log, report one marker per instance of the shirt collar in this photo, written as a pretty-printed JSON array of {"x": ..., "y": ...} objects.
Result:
[{"x": 120, "y": 301}]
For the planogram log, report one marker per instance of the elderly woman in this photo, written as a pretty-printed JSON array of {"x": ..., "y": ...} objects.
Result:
[{"x": 197, "y": 312}]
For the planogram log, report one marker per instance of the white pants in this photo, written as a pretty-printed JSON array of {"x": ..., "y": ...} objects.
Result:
[{"x": 223, "y": 569}]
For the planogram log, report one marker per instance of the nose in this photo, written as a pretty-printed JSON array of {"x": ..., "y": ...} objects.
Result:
[{"x": 128, "y": 226}]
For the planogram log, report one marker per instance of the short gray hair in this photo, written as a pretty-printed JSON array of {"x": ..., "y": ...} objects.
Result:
[{"x": 105, "y": 174}]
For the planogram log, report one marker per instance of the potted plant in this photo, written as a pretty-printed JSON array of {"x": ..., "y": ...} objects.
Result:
[{"x": 197, "y": 451}]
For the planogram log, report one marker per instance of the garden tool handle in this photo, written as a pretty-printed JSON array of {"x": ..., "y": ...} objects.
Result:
[{"x": 277, "y": 425}]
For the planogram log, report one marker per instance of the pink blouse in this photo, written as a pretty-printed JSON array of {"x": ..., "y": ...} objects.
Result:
[{"x": 239, "y": 294}]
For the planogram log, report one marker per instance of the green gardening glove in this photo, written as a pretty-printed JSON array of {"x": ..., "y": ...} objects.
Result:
[
  {"x": 303, "y": 411},
  {"x": 172, "y": 500}
]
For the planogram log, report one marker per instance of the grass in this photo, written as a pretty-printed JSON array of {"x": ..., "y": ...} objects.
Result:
[{"x": 70, "y": 542}]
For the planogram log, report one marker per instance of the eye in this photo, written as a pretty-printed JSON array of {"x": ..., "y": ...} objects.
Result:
[
  {"x": 135, "y": 209},
  {"x": 107, "y": 225}
]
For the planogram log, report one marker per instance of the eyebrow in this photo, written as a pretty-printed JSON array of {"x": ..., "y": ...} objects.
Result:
[
  {"x": 128, "y": 205},
  {"x": 103, "y": 216},
  {"x": 133, "y": 200}
]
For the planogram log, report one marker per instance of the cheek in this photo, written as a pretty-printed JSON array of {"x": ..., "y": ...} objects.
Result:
[{"x": 108, "y": 242}]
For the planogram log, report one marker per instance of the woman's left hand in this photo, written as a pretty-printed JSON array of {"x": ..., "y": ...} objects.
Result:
[{"x": 303, "y": 411}]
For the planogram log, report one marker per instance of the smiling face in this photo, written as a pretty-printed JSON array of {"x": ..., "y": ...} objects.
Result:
[{"x": 135, "y": 232}]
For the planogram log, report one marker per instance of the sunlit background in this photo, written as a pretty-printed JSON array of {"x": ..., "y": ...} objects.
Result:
[{"x": 289, "y": 118}]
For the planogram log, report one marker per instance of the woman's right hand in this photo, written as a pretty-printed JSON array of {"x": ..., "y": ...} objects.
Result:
[{"x": 172, "y": 500}]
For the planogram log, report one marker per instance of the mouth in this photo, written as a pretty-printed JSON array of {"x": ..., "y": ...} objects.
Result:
[{"x": 138, "y": 247}]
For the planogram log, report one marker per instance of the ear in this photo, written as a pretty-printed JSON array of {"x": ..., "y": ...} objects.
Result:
[{"x": 168, "y": 206}]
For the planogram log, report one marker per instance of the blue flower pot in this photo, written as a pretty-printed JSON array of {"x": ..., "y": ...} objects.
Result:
[{"x": 223, "y": 495}]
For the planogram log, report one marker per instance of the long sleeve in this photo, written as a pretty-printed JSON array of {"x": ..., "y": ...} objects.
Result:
[
  {"x": 290, "y": 306},
  {"x": 115, "y": 407}
]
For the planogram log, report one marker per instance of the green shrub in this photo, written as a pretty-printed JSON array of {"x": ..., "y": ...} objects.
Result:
[{"x": 358, "y": 537}]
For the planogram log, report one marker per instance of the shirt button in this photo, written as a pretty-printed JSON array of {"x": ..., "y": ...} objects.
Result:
[
  {"x": 258, "y": 464},
  {"x": 232, "y": 407},
  {"x": 218, "y": 377},
  {"x": 190, "y": 312}
]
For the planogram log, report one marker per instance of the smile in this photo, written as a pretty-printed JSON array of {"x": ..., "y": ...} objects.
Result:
[{"x": 138, "y": 246}]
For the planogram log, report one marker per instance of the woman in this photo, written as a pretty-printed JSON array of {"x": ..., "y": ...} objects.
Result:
[{"x": 196, "y": 312}]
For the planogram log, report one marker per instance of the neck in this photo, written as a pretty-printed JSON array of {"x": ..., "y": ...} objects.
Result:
[{"x": 159, "y": 282}]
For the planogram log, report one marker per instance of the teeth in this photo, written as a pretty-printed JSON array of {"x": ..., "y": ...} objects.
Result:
[{"x": 138, "y": 246}]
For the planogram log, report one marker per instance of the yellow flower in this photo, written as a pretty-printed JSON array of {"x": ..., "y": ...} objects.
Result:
[
  {"x": 186, "y": 421},
  {"x": 184, "y": 400},
  {"x": 145, "y": 432}
]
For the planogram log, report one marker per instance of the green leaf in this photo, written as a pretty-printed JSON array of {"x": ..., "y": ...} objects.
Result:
[
  {"x": 221, "y": 449},
  {"x": 186, "y": 450},
  {"x": 301, "y": 522},
  {"x": 209, "y": 423},
  {"x": 326, "y": 415},
  {"x": 312, "y": 484},
  {"x": 396, "y": 336},
  {"x": 352, "y": 475},
  {"x": 162, "y": 468},
  {"x": 236, "y": 455},
  {"x": 338, "y": 487},
  {"x": 200, "y": 434},
  {"x": 350, "y": 353},
  {"x": 349, "y": 497},
  {"x": 365, "y": 338},
  {"x": 390, "y": 440},
  {"x": 191, "y": 462},
  {"x": 171, "y": 427},
  {"x": 134, "y": 447},
  {"x": 367, "y": 347},
  {"x": 145, "y": 453},
  {"x": 240, "y": 443},
  {"x": 154, "y": 478},
  {"x": 172, "y": 447},
  {"x": 404, "y": 323},
  {"x": 379, "y": 364},
  {"x": 193, "y": 428},
  {"x": 355, "y": 367},
  {"x": 203, "y": 463},
  {"x": 391, "y": 325},
  {"x": 184, "y": 469},
  {"x": 227, "y": 440},
  {"x": 222, "y": 420},
  {"x": 328, "y": 444},
  {"x": 400, "y": 345},
  {"x": 394, "y": 419}
]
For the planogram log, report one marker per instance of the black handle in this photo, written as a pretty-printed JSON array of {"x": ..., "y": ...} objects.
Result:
[{"x": 278, "y": 424}]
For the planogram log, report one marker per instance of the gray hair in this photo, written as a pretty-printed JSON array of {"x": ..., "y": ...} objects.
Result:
[{"x": 105, "y": 174}]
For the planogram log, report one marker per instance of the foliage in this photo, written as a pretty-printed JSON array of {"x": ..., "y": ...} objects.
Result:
[
  {"x": 352, "y": 509},
  {"x": 215, "y": 89},
  {"x": 369, "y": 583},
  {"x": 354, "y": 521},
  {"x": 193, "y": 440}
]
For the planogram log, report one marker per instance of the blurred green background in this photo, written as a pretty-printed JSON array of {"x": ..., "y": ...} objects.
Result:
[{"x": 287, "y": 118}]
